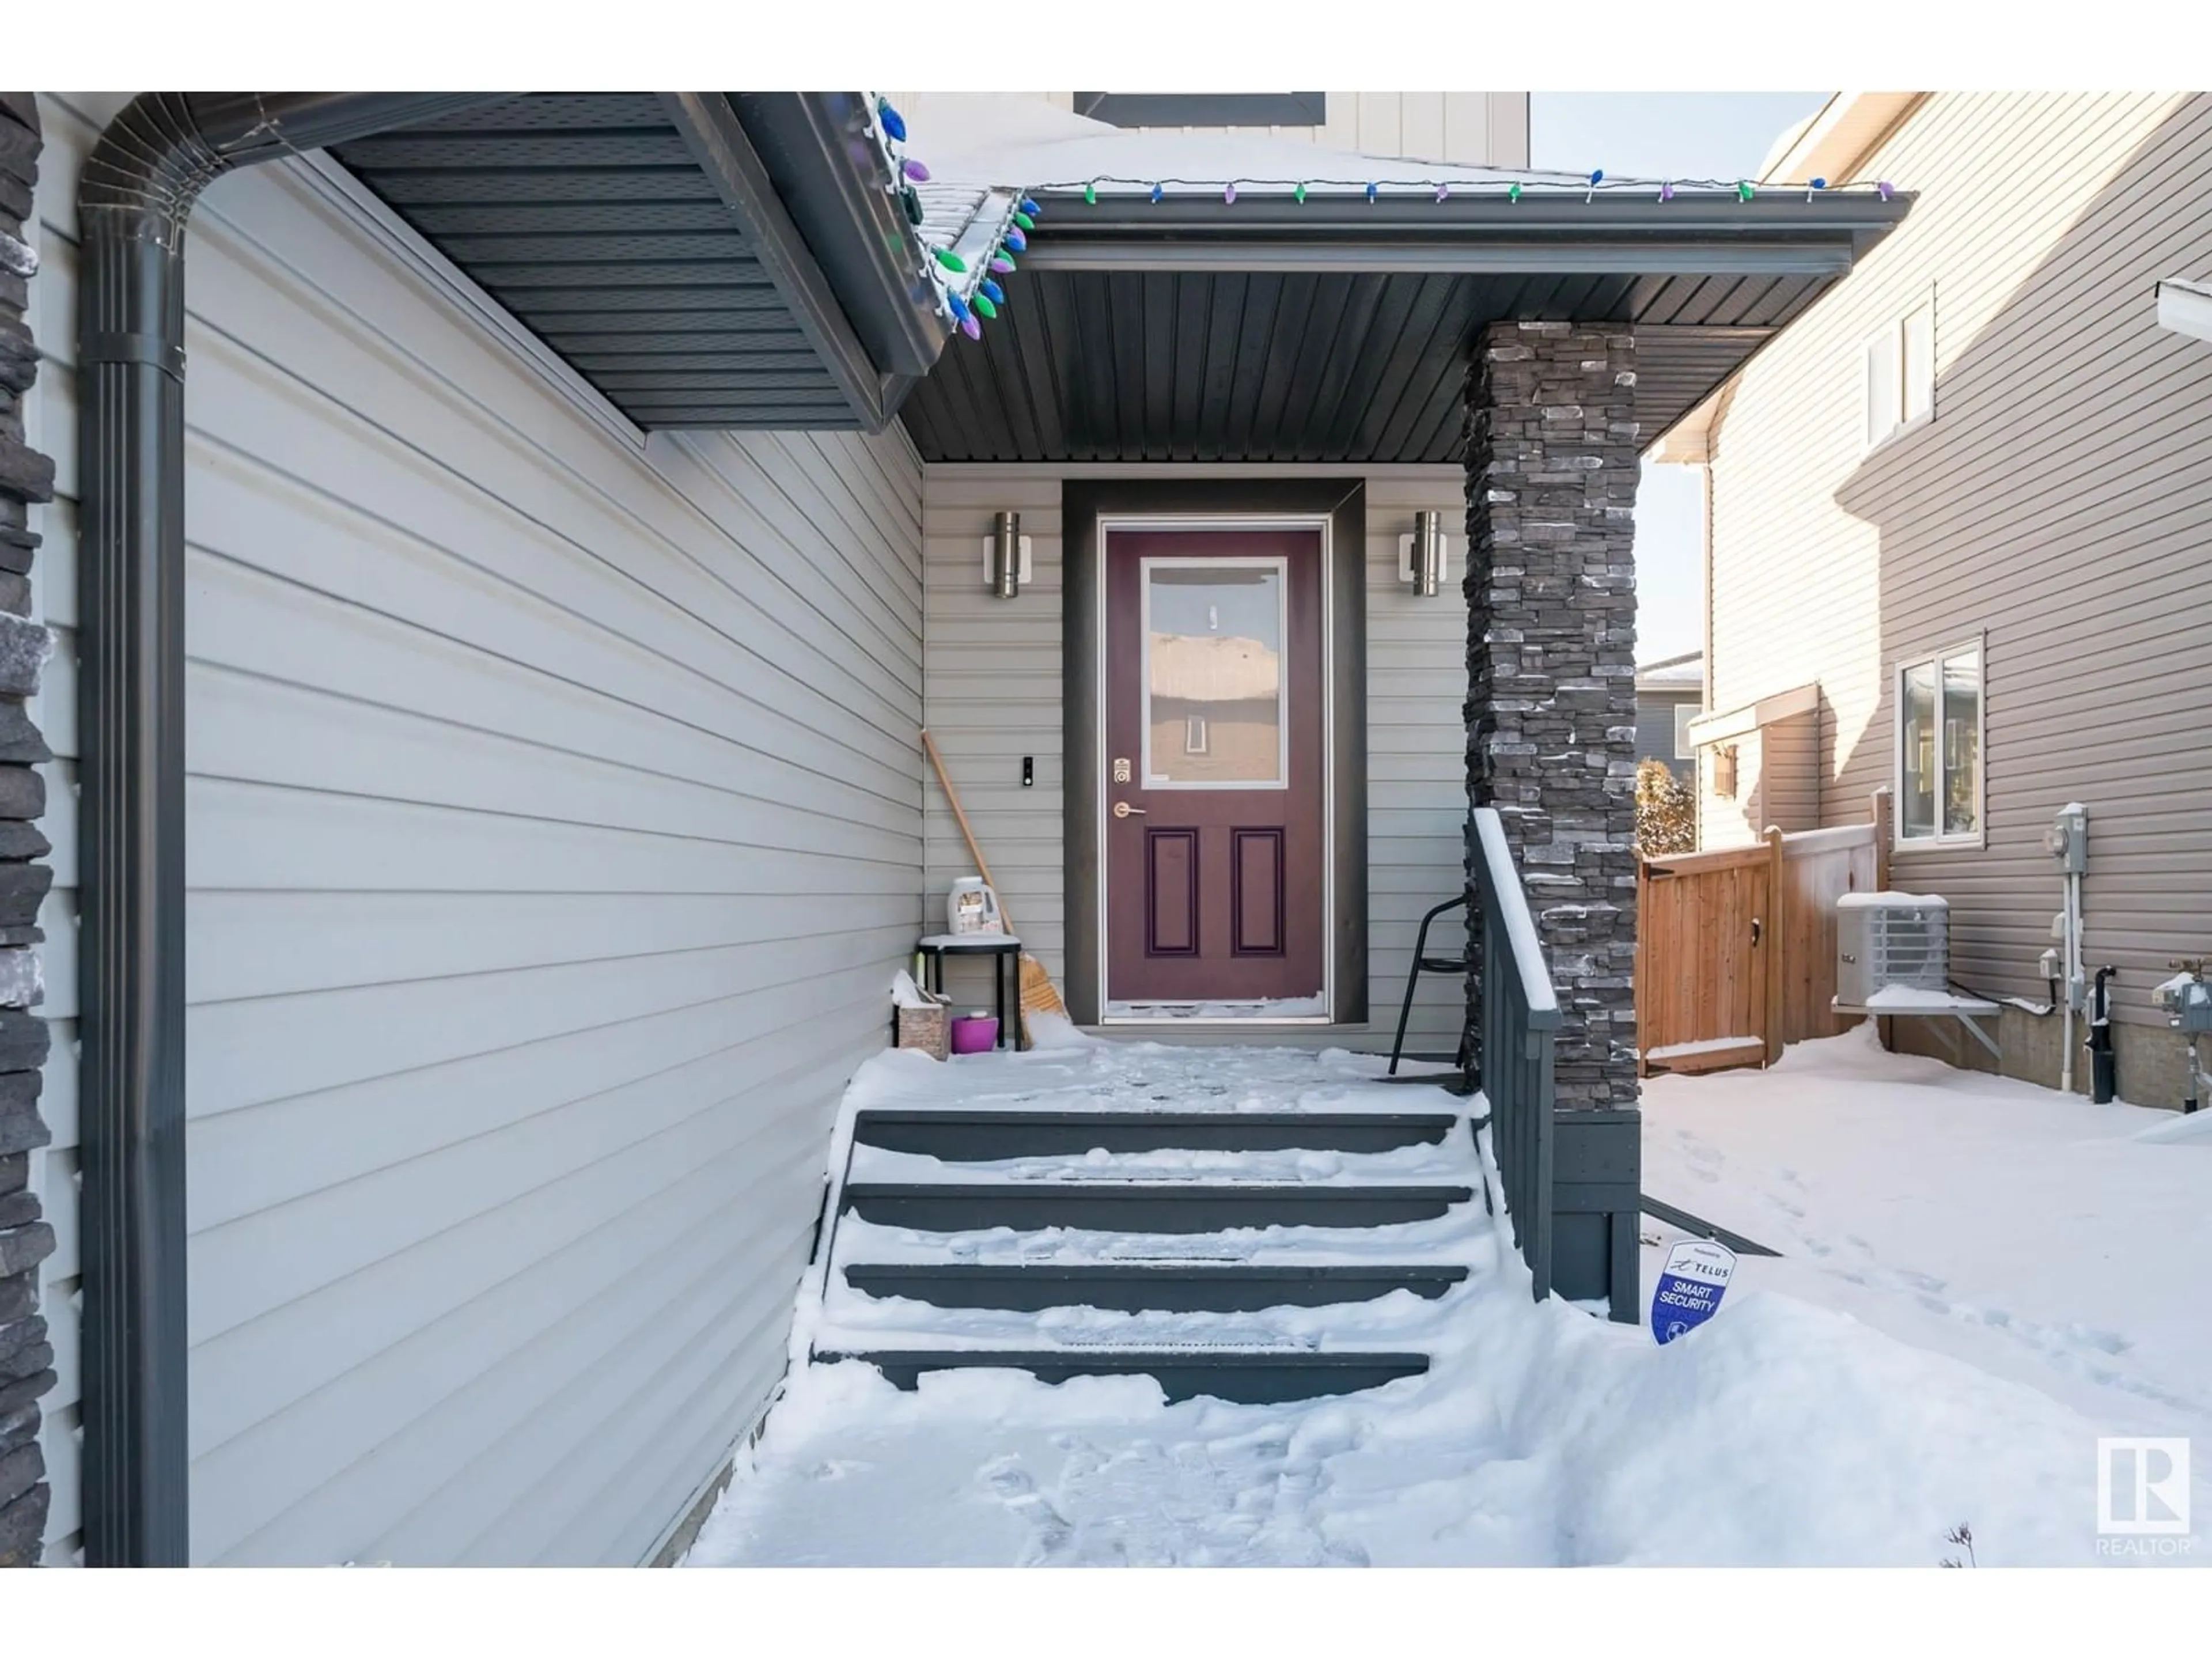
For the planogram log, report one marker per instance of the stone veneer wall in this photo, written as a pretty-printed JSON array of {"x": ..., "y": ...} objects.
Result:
[
  {"x": 1551, "y": 713},
  {"x": 26, "y": 1357}
]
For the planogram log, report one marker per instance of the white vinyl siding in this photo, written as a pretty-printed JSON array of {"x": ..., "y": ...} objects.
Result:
[
  {"x": 553, "y": 821},
  {"x": 994, "y": 674}
]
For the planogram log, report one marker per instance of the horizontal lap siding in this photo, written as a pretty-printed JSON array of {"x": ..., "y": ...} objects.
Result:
[
  {"x": 2059, "y": 503},
  {"x": 993, "y": 672},
  {"x": 554, "y": 826}
]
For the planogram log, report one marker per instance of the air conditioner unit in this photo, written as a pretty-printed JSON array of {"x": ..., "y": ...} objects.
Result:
[{"x": 1896, "y": 942}]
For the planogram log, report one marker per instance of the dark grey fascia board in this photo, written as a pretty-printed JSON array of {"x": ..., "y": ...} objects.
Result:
[
  {"x": 1472, "y": 256},
  {"x": 816, "y": 150},
  {"x": 712, "y": 132},
  {"x": 1852, "y": 224},
  {"x": 1205, "y": 109}
]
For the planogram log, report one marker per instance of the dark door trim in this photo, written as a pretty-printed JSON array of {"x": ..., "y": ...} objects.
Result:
[{"x": 1343, "y": 503}]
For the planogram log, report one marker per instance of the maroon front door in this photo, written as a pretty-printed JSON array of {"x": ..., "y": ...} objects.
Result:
[{"x": 1214, "y": 770}]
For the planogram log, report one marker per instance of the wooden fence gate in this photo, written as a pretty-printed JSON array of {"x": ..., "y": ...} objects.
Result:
[{"x": 1735, "y": 949}]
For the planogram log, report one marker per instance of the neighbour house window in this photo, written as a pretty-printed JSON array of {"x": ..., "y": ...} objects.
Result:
[
  {"x": 1900, "y": 375},
  {"x": 1684, "y": 713},
  {"x": 1939, "y": 727},
  {"x": 1193, "y": 735},
  {"x": 1724, "y": 771}
]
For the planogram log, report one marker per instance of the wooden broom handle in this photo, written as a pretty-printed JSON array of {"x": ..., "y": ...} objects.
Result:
[{"x": 975, "y": 852}]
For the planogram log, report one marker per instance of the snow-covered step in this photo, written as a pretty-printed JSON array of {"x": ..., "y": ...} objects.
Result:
[
  {"x": 1146, "y": 1206},
  {"x": 1241, "y": 1376},
  {"x": 1133, "y": 1287},
  {"x": 978, "y": 1135}
]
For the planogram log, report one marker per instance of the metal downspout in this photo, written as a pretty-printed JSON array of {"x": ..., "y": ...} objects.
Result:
[{"x": 135, "y": 195}]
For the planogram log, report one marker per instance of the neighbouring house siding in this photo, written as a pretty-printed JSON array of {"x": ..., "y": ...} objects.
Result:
[
  {"x": 1474, "y": 129},
  {"x": 2058, "y": 506},
  {"x": 1655, "y": 729},
  {"x": 992, "y": 670},
  {"x": 554, "y": 829}
]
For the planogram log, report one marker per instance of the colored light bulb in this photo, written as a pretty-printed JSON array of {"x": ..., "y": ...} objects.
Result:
[
  {"x": 1091, "y": 194},
  {"x": 984, "y": 307},
  {"x": 1443, "y": 191},
  {"x": 1016, "y": 240},
  {"x": 893, "y": 125},
  {"x": 1001, "y": 264},
  {"x": 1513, "y": 190},
  {"x": 991, "y": 290},
  {"x": 1025, "y": 221},
  {"x": 1029, "y": 205},
  {"x": 1667, "y": 192},
  {"x": 1157, "y": 193},
  {"x": 1299, "y": 194},
  {"x": 915, "y": 171},
  {"x": 1229, "y": 194},
  {"x": 971, "y": 327},
  {"x": 950, "y": 260},
  {"x": 1372, "y": 192},
  {"x": 1886, "y": 189}
]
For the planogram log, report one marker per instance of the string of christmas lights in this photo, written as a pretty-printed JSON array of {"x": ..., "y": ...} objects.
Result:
[
  {"x": 1512, "y": 190},
  {"x": 968, "y": 298}
]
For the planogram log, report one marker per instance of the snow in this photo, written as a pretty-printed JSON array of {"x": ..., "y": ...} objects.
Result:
[
  {"x": 1889, "y": 899},
  {"x": 1980, "y": 1279},
  {"x": 1918, "y": 999},
  {"x": 1703, "y": 1046},
  {"x": 2032, "y": 1234}
]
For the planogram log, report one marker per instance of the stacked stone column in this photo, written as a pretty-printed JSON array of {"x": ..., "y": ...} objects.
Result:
[
  {"x": 27, "y": 1356},
  {"x": 1551, "y": 712}
]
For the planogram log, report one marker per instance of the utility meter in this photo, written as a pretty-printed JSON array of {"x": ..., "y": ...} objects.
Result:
[
  {"x": 2186, "y": 998},
  {"x": 2068, "y": 839}
]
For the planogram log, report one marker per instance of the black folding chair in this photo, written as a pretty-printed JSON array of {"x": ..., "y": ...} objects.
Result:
[{"x": 1424, "y": 962}]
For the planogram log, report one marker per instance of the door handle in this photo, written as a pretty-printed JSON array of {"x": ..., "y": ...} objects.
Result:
[
  {"x": 1754, "y": 932},
  {"x": 1122, "y": 809}
]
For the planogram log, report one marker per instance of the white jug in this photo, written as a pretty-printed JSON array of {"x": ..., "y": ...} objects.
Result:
[{"x": 972, "y": 908}]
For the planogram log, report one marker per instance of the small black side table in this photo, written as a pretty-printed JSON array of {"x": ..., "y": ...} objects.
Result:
[{"x": 1006, "y": 967}]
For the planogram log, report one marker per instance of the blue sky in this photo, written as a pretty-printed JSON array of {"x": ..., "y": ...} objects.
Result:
[{"x": 1681, "y": 135}]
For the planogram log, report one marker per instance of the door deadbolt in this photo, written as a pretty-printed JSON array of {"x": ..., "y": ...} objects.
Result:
[{"x": 1121, "y": 771}]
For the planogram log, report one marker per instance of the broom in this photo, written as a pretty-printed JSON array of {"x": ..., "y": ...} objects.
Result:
[{"x": 1039, "y": 996}]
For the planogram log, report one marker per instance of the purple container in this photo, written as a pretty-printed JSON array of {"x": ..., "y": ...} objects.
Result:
[{"x": 974, "y": 1034}]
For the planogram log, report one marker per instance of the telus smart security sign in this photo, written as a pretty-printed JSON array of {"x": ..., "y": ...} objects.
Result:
[{"x": 1691, "y": 1285}]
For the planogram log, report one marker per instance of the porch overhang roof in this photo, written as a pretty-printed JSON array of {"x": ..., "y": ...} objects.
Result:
[
  {"x": 1337, "y": 329},
  {"x": 701, "y": 258}
]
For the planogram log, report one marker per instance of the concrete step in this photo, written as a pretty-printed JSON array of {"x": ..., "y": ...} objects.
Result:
[
  {"x": 1193, "y": 1206},
  {"x": 1242, "y": 1377},
  {"x": 1146, "y": 1288},
  {"x": 981, "y": 1136}
]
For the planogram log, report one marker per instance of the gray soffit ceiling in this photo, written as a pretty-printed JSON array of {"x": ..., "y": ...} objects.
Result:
[
  {"x": 1337, "y": 331},
  {"x": 650, "y": 242}
]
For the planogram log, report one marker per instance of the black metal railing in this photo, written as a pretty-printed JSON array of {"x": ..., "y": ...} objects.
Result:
[{"x": 1520, "y": 1022}]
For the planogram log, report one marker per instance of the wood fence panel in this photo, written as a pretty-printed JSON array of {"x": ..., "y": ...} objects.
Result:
[
  {"x": 1735, "y": 950},
  {"x": 1706, "y": 983}
]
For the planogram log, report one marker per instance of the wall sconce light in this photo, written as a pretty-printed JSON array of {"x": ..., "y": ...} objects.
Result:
[
  {"x": 1422, "y": 556},
  {"x": 1005, "y": 556}
]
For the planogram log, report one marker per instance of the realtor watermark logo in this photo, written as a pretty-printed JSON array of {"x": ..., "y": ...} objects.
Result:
[{"x": 2142, "y": 1497}]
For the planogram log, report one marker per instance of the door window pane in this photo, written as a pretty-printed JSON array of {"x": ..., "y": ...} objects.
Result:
[
  {"x": 1214, "y": 694},
  {"x": 1917, "y": 811},
  {"x": 1962, "y": 740}
]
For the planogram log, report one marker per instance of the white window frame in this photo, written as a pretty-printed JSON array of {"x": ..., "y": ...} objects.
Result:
[
  {"x": 1280, "y": 567},
  {"x": 1976, "y": 644},
  {"x": 1896, "y": 376},
  {"x": 1685, "y": 749}
]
